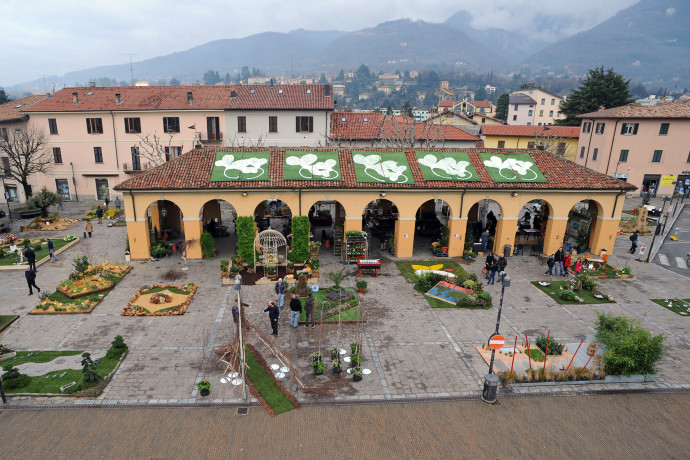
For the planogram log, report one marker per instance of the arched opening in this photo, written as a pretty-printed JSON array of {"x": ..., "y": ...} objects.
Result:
[
  {"x": 378, "y": 220},
  {"x": 218, "y": 219},
  {"x": 483, "y": 216},
  {"x": 431, "y": 228},
  {"x": 273, "y": 214},
  {"x": 165, "y": 223},
  {"x": 582, "y": 222},
  {"x": 533, "y": 220},
  {"x": 327, "y": 219}
]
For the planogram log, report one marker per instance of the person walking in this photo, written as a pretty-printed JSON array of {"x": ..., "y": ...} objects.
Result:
[
  {"x": 88, "y": 228},
  {"x": 31, "y": 280},
  {"x": 273, "y": 315},
  {"x": 30, "y": 257},
  {"x": 550, "y": 263},
  {"x": 502, "y": 263},
  {"x": 309, "y": 310},
  {"x": 492, "y": 269},
  {"x": 578, "y": 267},
  {"x": 295, "y": 311},
  {"x": 633, "y": 239},
  {"x": 51, "y": 250},
  {"x": 280, "y": 291},
  {"x": 567, "y": 261},
  {"x": 107, "y": 202},
  {"x": 485, "y": 240},
  {"x": 59, "y": 206},
  {"x": 99, "y": 214},
  {"x": 489, "y": 260},
  {"x": 558, "y": 259}
]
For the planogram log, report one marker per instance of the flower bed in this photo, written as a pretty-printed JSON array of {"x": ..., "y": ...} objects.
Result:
[
  {"x": 111, "y": 213},
  {"x": 7, "y": 258},
  {"x": 606, "y": 271},
  {"x": 160, "y": 300},
  {"x": 561, "y": 292},
  {"x": 51, "y": 224},
  {"x": 85, "y": 286},
  {"x": 679, "y": 306}
]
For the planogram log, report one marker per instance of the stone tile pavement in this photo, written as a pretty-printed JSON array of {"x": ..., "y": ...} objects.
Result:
[{"x": 413, "y": 351}]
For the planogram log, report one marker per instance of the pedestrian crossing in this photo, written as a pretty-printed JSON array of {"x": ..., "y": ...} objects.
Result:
[{"x": 679, "y": 261}]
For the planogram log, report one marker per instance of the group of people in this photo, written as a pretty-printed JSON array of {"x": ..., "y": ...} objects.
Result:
[
  {"x": 562, "y": 261},
  {"x": 31, "y": 270},
  {"x": 494, "y": 265}
]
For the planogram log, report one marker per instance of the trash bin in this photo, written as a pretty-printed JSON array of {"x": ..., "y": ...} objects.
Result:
[
  {"x": 490, "y": 388},
  {"x": 508, "y": 250}
]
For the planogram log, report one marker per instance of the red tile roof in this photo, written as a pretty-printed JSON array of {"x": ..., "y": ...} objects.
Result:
[
  {"x": 12, "y": 111},
  {"x": 192, "y": 171},
  {"x": 531, "y": 131},
  {"x": 247, "y": 97},
  {"x": 675, "y": 109},
  {"x": 379, "y": 126},
  {"x": 485, "y": 104},
  {"x": 447, "y": 103}
]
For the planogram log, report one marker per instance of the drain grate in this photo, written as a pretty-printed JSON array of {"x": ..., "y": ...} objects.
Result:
[{"x": 242, "y": 410}]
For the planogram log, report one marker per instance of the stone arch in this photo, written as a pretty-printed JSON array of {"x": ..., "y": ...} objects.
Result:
[
  {"x": 380, "y": 219},
  {"x": 484, "y": 214},
  {"x": 431, "y": 226},
  {"x": 217, "y": 217},
  {"x": 325, "y": 216},
  {"x": 581, "y": 227}
]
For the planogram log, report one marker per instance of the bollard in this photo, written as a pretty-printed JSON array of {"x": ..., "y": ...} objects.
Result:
[{"x": 490, "y": 388}]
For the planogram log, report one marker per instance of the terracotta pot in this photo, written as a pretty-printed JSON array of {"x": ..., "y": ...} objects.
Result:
[{"x": 362, "y": 290}]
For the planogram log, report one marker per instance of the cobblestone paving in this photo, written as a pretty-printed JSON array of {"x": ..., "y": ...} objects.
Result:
[{"x": 413, "y": 351}]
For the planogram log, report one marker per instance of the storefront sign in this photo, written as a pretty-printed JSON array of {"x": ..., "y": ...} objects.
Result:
[{"x": 667, "y": 180}]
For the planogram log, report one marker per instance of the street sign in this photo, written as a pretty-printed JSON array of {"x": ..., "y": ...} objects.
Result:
[{"x": 497, "y": 341}]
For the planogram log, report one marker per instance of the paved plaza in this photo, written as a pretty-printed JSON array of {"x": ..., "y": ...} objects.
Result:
[{"x": 414, "y": 352}]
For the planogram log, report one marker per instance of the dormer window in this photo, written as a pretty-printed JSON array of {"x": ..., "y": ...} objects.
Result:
[
  {"x": 308, "y": 91},
  {"x": 280, "y": 91},
  {"x": 251, "y": 91}
]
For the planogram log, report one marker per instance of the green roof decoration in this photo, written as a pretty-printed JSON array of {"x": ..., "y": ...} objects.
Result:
[
  {"x": 319, "y": 165},
  {"x": 240, "y": 166},
  {"x": 382, "y": 167},
  {"x": 519, "y": 167},
  {"x": 446, "y": 166}
]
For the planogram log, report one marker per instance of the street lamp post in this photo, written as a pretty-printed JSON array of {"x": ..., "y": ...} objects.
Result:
[
  {"x": 7, "y": 196},
  {"x": 490, "y": 379},
  {"x": 2, "y": 393},
  {"x": 74, "y": 182},
  {"x": 238, "y": 288}
]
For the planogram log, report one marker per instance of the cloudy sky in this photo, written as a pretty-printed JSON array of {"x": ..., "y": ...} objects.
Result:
[{"x": 48, "y": 37}]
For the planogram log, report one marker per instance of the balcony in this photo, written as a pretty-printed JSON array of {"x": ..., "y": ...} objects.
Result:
[
  {"x": 212, "y": 138},
  {"x": 128, "y": 168}
]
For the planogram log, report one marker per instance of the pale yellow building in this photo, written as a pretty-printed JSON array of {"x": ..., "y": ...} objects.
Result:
[{"x": 560, "y": 140}]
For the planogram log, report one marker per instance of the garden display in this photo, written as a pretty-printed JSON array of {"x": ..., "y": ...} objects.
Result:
[
  {"x": 676, "y": 305},
  {"x": 110, "y": 213},
  {"x": 51, "y": 223},
  {"x": 160, "y": 300},
  {"x": 11, "y": 244}
]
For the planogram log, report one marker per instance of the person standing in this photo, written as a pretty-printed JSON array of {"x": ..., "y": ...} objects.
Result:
[
  {"x": 309, "y": 310},
  {"x": 51, "y": 250},
  {"x": 489, "y": 260},
  {"x": 633, "y": 239},
  {"x": 558, "y": 259},
  {"x": 578, "y": 267},
  {"x": 273, "y": 315},
  {"x": 99, "y": 214},
  {"x": 31, "y": 280},
  {"x": 280, "y": 291},
  {"x": 295, "y": 311},
  {"x": 117, "y": 202},
  {"x": 485, "y": 240},
  {"x": 550, "y": 263},
  {"x": 502, "y": 263},
  {"x": 30, "y": 256},
  {"x": 567, "y": 261},
  {"x": 88, "y": 228},
  {"x": 107, "y": 201},
  {"x": 492, "y": 269}
]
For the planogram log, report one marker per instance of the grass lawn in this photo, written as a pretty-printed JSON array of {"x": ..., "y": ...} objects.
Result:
[
  {"x": 38, "y": 357},
  {"x": 5, "y": 319},
  {"x": 266, "y": 386},
  {"x": 684, "y": 309},
  {"x": 57, "y": 243},
  {"x": 554, "y": 288},
  {"x": 351, "y": 314}
]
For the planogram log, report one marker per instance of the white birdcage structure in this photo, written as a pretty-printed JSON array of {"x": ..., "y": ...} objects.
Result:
[{"x": 267, "y": 244}]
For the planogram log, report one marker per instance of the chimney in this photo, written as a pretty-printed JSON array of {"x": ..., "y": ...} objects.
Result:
[
  {"x": 601, "y": 107},
  {"x": 233, "y": 93},
  {"x": 92, "y": 84},
  {"x": 327, "y": 90},
  {"x": 190, "y": 98},
  {"x": 75, "y": 98},
  {"x": 118, "y": 99}
]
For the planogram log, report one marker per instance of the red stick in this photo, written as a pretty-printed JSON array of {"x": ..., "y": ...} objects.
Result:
[
  {"x": 511, "y": 364},
  {"x": 590, "y": 358},
  {"x": 529, "y": 356},
  {"x": 547, "y": 351},
  {"x": 571, "y": 359}
]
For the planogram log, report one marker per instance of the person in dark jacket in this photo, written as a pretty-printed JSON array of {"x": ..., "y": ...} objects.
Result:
[
  {"x": 99, "y": 214},
  {"x": 31, "y": 280},
  {"x": 30, "y": 256},
  {"x": 273, "y": 315},
  {"x": 633, "y": 239},
  {"x": 492, "y": 269},
  {"x": 484, "y": 239},
  {"x": 295, "y": 311},
  {"x": 489, "y": 260},
  {"x": 280, "y": 292},
  {"x": 51, "y": 250},
  {"x": 550, "y": 263},
  {"x": 502, "y": 263},
  {"x": 309, "y": 310},
  {"x": 558, "y": 259}
]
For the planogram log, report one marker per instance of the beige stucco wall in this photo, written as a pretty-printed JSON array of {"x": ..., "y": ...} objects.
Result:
[
  {"x": 545, "y": 113},
  {"x": 287, "y": 136},
  {"x": 518, "y": 142}
]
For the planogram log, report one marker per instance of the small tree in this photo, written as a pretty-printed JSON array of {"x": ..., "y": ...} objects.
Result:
[
  {"x": 43, "y": 200},
  {"x": 27, "y": 153},
  {"x": 551, "y": 141},
  {"x": 502, "y": 106},
  {"x": 152, "y": 148},
  {"x": 88, "y": 368}
]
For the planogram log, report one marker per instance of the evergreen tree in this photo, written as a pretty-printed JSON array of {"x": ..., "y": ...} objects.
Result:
[
  {"x": 600, "y": 88},
  {"x": 3, "y": 97},
  {"x": 174, "y": 82},
  {"x": 406, "y": 109},
  {"x": 502, "y": 106}
]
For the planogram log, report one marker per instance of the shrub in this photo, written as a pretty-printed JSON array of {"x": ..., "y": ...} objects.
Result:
[
  {"x": 314, "y": 262},
  {"x": 588, "y": 283},
  {"x": 11, "y": 372},
  {"x": 566, "y": 294},
  {"x": 203, "y": 385},
  {"x": 208, "y": 245},
  {"x": 555, "y": 348},
  {"x": 88, "y": 368},
  {"x": 245, "y": 237},
  {"x": 427, "y": 281},
  {"x": 336, "y": 277},
  {"x": 361, "y": 284},
  {"x": 80, "y": 264},
  {"x": 630, "y": 348},
  {"x": 118, "y": 343},
  {"x": 536, "y": 354},
  {"x": 300, "y": 239},
  {"x": 224, "y": 265},
  {"x": 37, "y": 247}
]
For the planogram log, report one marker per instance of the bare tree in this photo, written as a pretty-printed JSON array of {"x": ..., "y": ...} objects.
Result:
[
  {"x": 550, "y": 141},
  {"x": 28, "y": 154},
  {"x": 153, "y": 148},
  {"x": 245, "y": 142},
  {"x": 406, "y": 132}
]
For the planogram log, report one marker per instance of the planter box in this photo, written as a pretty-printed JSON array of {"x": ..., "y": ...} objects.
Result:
[
  {"x": 7, "y": 356},
  {"x": 227, "y": 281},
  {"x": 635, "y": 378}
]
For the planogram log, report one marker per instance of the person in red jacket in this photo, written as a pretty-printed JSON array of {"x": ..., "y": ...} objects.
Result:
[{"x": 567, "y": 260}]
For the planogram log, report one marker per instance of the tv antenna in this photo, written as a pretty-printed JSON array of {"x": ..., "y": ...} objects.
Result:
[{"x": 131, "y": 67}]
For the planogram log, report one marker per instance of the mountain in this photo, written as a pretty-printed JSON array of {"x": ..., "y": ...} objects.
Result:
[
  {"x": 647, "y": 42},
  {"x": 514, "y": 47}
]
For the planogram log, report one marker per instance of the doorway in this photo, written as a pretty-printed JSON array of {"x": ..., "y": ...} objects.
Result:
[
  {"x": 650, "y": 184},
  {"x": 62, "y": 187}
]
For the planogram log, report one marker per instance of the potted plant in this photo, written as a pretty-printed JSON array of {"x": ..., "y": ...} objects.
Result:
[
  {"x": 318, "y": 367},
  {"x": 225, "y": 271},
  {"x": 316, "y": 356},
  {"x": 355, "y": 359},
  {"x": 234, "y": 270},
  {"x": 314, "y": 263},
  {"x": 355, "y": 348},
  {"x": 337, "y": 365},
  {"x": 443, "y": 241},
  {"x": 314, "y": 248},
  {"x": 357, "y": 374},
  {"x": 204, "y": 387},
  {"x": 290, "y": 267},
  {"x": 271, "y": 272},
  {"x": 361, "y": 285}
]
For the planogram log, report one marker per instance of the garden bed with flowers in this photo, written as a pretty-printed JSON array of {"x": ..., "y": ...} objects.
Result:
[
  {"x": 563, "y": 293},
  {"x": 111, "y": 213},
  {"x": 160, "y": 300},
  {"x": 11, "y": 244},
  {"x": 599, "y": 271},
  {"x": 51, "y": 223}
]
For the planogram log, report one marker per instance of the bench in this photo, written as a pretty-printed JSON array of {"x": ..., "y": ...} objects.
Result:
[{"x": 30, "y": 214}]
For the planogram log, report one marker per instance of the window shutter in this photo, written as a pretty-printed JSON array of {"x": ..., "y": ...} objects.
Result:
[
  {"x": 623, "y": 128},
  {"x": 297, "y": 124},
  {"x": 311, "y": 124},
  {"x": 635, "y": 128}
]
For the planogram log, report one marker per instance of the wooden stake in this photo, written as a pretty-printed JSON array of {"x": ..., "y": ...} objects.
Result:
[
  {"x": 511, "y": 364},
  {"x": 547, "y": 350},
  {"x": 571, "y": 359},
  {"x": 529, "y": 356}
]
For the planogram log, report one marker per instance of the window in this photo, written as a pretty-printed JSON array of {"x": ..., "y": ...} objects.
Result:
[
  {"x": 551, "y": 113},
  {"x": 172, "y": 152},
  {"x": 515, "y": 108},
  {"x": 102, "y": 189},
  {"x": 514, "y": 117},
  {"x": 529, "y": 123},
  {"x": 272, "y": 124},
  {"x": 663, "y": 130},
  {"x": 213, "y": 128},
  {"x": 599, "y": 129},
  {"x": 553, "y": 101},
  {"x": 483, "y": 120},
  {"x": 629, "y": 129},
  {"x": 530, "y": 145},
  {"x": 94, "y": 126},
  {"x": 304, "y": 124},
  {"x": 501, "y": 144},
  {"x": 656, "y": 158},
  {"x": 241, "y": 124},
  {"x": 543, "y": 101},
  {"x": 594, "y": 154},
  {"x": 57, "y": 155},
  {"x": 561, "y": 148},
  {"x": 686, "y": 161},
  {"x": 530, "y": 112},
  {"x": 52, "y": 125},
  {"x": 171, "y": 124},
  {"x": 624, "y": 156},
  {"x": 541, "y": 113},
  {"x": 582, "y": 152},
  {"x": 133, "y": 125},
  {"x": 6, "y": 165},
  {"x": 3, "y": 134},
  {"x": 136, "y": 159},
  {"x": 98, "y": 155}
]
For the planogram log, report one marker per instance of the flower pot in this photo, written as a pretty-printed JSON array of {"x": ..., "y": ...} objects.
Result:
[
  {"x": 205, "y": 392},
  {"x": 318, "y": 372},
  {"x": 227, "y": 281},
  {"x": 444, "y": 249},
  {"x": 337, "y": 369},
  {"x": 356, "y": 377},
  {"x": 362, "y": 290},
  {"x": 128, "y": 257}
]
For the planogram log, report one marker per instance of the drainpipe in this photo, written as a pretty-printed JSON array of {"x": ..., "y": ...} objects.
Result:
[
  {"x": 615, "y": 130},
  {"x": 134, "y": 209},
  {"x": 615, "y": 203},
  {"x": 117, "y": 161},
  {"x": 74, "y": 182},
  {"x": 462, "y": 200},
  {"x": 588, "y": 143}
]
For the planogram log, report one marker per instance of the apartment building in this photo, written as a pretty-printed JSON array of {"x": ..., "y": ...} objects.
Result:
[
  {"x": 559, "y": 140},
  {"x": 534, "y": 107}
]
